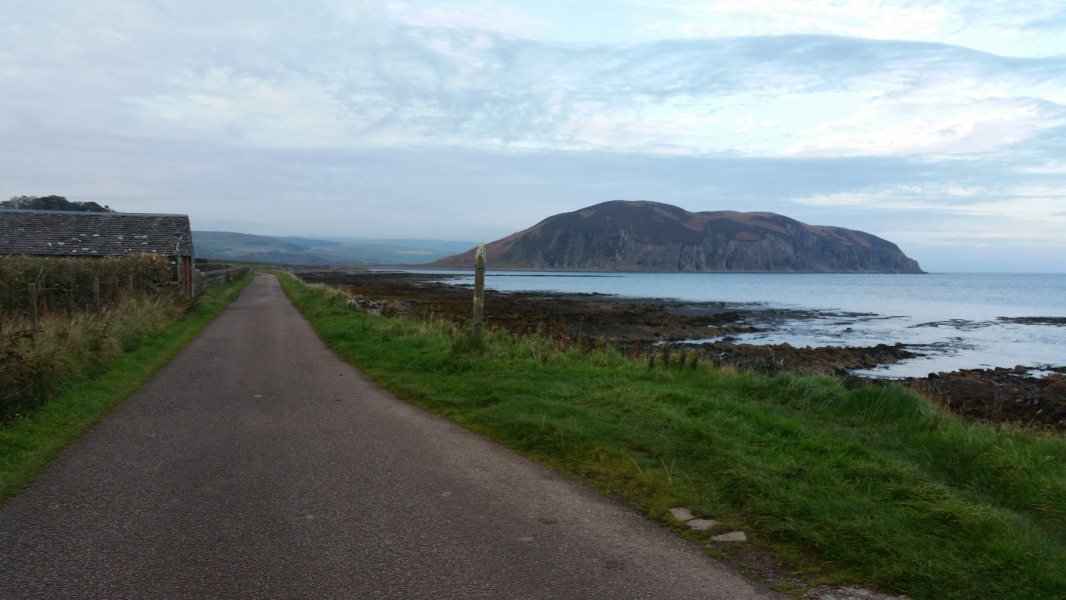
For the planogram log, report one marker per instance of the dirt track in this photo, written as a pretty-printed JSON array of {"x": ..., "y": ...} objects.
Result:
[{"x": 258, "y": 465}]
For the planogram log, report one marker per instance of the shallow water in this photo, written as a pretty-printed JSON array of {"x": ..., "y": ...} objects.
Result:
[{"x": 956, "y": 321}]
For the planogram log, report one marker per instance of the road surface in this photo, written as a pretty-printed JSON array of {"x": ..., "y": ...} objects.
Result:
[{"x": 259, "y": 465}]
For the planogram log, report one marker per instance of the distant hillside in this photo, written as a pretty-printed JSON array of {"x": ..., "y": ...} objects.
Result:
[
  {"x": 225, "y": 245},
  {"x": 649, "y": 236},
  {"x": 442, "y": 247}
]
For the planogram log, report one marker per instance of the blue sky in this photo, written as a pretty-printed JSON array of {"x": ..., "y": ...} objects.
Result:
[{"x": 938, "y": 125}]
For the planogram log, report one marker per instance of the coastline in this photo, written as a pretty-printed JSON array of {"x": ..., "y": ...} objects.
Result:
[
  {"x": 891, "y": 472},
  {"x": 718, "y": 332}
]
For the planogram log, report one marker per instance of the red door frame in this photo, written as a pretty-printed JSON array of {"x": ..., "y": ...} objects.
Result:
[{"x": 186, "y": 276}]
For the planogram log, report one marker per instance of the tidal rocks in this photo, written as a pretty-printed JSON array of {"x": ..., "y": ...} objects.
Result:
[
  {"x": 824, "y": 360},
  {"x": 993, "y": 395},
  {"x": 627, "y": 321},
  {"x": 1000, "y": 395}
]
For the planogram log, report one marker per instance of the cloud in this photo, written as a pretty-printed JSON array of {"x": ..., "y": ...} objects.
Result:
[
  {"x": 364, "y": 80},
  {"x": 863, "y": 18},
  {"x": 968, "y": 126},
  {"x": 1024, "y": 28},
  {"x": 339, "y": 117},
  {"x": 1050, "y": 167},
  {"x": 483, "y": 16},
  {"x": 1012, "y": 210}
]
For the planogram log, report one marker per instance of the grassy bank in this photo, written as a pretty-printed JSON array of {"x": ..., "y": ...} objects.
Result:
[
  {"x": 83, "y": 382},
  {"x": 867, "y": 485},
  {"x": 36, "y": 363}
]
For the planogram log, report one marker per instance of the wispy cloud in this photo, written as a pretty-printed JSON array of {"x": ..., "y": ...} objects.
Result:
[
  {"x": 358, "y": 84},
  {"x": 1002, "y": 210},
  {"x": 1024, "y": 28},
  {"x": 295, "y": 101},
  {"x": 483, "y": 16}
]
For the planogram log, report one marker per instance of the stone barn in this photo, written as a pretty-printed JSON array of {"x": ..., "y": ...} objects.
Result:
[{"x": 62, "y": 233}]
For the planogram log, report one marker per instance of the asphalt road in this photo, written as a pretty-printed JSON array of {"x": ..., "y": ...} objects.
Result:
[{"x": 259, "y": 465}]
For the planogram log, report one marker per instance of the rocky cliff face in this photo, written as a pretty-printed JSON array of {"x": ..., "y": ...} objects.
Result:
[{"x": 649, "y": 236}]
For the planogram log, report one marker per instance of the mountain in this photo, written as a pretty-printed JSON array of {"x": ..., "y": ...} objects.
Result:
[
  {"x": 303, "y": 242},
  {"x": 381, "y": 254},
  {"x": 442, "y": 247},
  {"x": 226, "y": 245},
  {"x": 650, "y": 236}
]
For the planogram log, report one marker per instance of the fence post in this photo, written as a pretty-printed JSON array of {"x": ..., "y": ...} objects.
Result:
[
  {"x": 70, "y": 302},
  {"x": 96, "y": 292},
  {"x": 479, "y": 289},
  {"x": 131, "y": 284},
  {"x": 33, "y": 304}
]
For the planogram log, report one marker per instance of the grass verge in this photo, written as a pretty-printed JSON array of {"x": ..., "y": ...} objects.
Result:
[
  {"x": 30, "y": 443},
  {"x": 869, "y": 485}
]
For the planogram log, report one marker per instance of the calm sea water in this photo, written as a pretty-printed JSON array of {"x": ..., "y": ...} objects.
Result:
[{"x": 957, "y": 321}]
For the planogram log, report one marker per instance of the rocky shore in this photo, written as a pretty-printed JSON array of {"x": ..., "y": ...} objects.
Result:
[
  {"x": 991, "y": 395},
  {"x": 1001, "y": 395}
]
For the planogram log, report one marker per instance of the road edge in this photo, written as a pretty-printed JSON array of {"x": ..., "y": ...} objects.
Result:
[{"x": 31, "y": 445}]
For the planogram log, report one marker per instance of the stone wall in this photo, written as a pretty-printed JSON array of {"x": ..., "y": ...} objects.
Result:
[{"x": 205, "y": 281}]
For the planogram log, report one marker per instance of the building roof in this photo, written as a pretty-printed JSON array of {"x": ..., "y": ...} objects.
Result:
[{"x": 93, "y": 234}]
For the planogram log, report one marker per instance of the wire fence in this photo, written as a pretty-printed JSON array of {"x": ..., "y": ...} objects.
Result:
[
  {"x": 63, "y": 318},
  {"x": 32, "y": 284}
]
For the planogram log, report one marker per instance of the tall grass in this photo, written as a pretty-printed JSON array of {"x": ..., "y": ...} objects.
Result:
[
  {"x": 35, "y": 363},
  {"x": 64, "y": 281},
  {"x": 89, "y": 367},
  {"x": 74, "y": 339},
  {"x": 871, "y": 484}
]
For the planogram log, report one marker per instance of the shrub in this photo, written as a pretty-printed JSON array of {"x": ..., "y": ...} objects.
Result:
[
  {"x": 63, "y": 281},
  {"x": 390, "y": 309},
  {"x": 33, "y": 364},
  {"x": 664, "y": 354}
]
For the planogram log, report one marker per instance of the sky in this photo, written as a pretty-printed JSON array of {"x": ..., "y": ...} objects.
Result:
[{"x": 940, "y": 126}]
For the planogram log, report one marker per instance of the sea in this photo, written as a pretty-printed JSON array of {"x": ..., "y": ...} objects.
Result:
[{"x": 952, "y": 320}]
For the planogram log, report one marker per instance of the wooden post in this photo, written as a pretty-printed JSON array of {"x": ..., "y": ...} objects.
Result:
[
  {"x": 33, "y": 304},
  {"x": 96, "y": 292},
  {"x": 131, "y": 284},
  {"x": 70, "y": 302},
  {"x": 479, "y": 289}
]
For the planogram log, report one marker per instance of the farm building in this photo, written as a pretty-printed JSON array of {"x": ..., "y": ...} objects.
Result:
[{"x": 62, "y": 233}]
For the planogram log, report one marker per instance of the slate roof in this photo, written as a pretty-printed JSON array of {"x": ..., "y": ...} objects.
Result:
[{"x": 93, "y": 234}]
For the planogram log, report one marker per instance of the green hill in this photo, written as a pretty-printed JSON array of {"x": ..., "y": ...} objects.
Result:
[{"x": 226, "y": 245}]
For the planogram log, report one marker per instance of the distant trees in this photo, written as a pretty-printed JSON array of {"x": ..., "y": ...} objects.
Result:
[{"x": 52, "y": 203}]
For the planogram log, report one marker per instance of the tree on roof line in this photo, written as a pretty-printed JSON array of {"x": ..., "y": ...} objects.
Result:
[{"x": 52, "y": 203}]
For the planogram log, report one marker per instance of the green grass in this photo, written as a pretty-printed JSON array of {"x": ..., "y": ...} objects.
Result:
[
  {"x": 870, "y": 485},
  {"x": 31, "y": 442}
]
